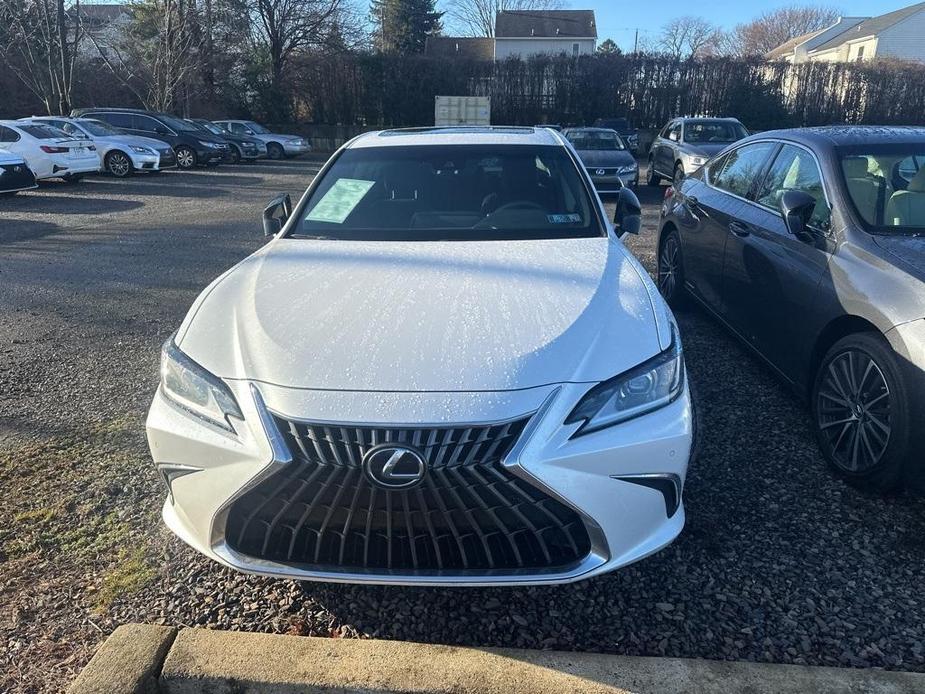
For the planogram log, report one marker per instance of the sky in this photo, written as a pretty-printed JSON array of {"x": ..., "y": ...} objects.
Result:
[{"x": 618, "y": 19}]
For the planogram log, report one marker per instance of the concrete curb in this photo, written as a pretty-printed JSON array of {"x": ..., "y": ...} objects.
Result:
[
  {"x": 129, "y": 661},
  {"x": 217, "y": 662}
]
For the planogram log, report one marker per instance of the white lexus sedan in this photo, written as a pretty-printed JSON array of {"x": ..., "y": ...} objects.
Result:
[{"x": 444, "y": 369}]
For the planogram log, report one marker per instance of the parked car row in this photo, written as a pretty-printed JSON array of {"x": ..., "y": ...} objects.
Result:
[{"x": 125, "y": 141}]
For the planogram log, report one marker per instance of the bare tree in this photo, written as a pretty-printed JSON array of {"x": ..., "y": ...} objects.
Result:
[
  {"x": 686, "y": 37},
  {"x": 38, "y": 43},
  {"x": 776, "y": 27},
  {"x": 477, "y": 17},
  {"x": 158, "y": 54}
]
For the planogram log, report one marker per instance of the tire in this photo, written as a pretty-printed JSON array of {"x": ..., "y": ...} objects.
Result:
[
  {"x": 652, "y": 178},
  {"x": 670, "y": 270},
  {"x": 186, "y": 158},
  {"x": 118, "y": 164},
  {"x": 275, "y": 151},
  {"x": 235, "y": 155},
  {"x": 678, "y": 172},
  {"x": 862, "y": 405}
]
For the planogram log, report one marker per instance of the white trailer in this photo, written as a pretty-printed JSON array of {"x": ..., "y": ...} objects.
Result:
[{"x": 462, "y": 110}]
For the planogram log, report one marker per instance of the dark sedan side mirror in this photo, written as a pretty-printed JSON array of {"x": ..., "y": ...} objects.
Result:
[
  {"x": 797, "y": 207},
  {"x": 627, "y": 218},
  {"x": 276, "y": 213}
]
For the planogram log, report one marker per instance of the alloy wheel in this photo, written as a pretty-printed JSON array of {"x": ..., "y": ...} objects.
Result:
[
  {"x": 853, "y": 411},
  {"x": 275, "y": 151},
  {"x": 668, "y": 267},
  {"x": 119, "y": 164},
  {"x": 186, "y": 159}
]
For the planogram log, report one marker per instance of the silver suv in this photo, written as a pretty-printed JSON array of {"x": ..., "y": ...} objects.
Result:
[{"x": 685, "y": 144}]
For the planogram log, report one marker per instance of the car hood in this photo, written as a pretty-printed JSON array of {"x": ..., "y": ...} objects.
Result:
[
  {"x": 129, "y": 140},
  {"x": 433, "y": 316},
  {"x": 706, "y": 149},
  {"x": 907, "y": 252},
  {"x": 592, "y": 158},
  {"x": 10, "y": 158}
]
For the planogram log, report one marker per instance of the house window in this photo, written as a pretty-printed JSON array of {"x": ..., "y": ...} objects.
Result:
[
  {"x": 575, "y": 49},
  {"x": 860, "y": 53}
]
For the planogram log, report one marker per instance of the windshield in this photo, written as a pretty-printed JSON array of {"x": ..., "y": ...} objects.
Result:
[
  {"x": 178, "y": 124},
  {"x": 706, "y": 132},
  {"x": 594, "y": 140},
  {"x": 95, "y": 127},
  {"x": 453, "y": 192},
  {"x": 886, "y": 185},
  {"x": 213, "y": 128},
  {"x": 256, "y": 127},
  {"x": 44, "y": 132}
]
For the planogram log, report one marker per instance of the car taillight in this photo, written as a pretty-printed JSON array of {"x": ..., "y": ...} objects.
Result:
[
  {"x": 54, "y": 150},
  {"x": 669, "y": 192}
]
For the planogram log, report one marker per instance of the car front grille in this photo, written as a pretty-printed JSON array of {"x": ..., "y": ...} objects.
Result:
[
  {"x": 469, "y": 514},
  {"x": 594, "y": 171}
]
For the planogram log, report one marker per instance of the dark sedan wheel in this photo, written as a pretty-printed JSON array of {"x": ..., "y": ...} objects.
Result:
[
  {"x": 652, "y": 178},
  {"x": 235, "y": 155},
  {"x": 186, "y": 158},
  {"x": 861, "y": 408},
  {"x": 671, "y": 270},
  {"x": 118, "y": 164},
  {"x": 275, "y": 151}
]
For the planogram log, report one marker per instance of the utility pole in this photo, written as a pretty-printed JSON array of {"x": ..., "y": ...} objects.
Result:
[{"x": 636, "y": 42}]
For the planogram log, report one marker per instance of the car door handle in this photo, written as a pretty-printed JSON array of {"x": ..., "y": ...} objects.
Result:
[{"x": 739, "y": 229}]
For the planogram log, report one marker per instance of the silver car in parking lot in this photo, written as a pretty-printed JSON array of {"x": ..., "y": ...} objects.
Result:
[
  {"x": 685, "y": 144},
  {"x": 278, "y": 146},
  {"x": 120, "y": 154}
]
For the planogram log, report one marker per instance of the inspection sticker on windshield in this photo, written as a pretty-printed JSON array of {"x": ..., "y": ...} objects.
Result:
[
  {"x": 563, "y": 218},
  {"x": 337, "y": 204}
]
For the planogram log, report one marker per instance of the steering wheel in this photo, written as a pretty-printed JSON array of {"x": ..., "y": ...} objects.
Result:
[{"x": 519, "y": 205}]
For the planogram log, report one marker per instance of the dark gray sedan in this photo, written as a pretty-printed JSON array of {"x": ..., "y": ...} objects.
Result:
[
  {"x": 606, "y": 157},
  {"x": 810, "y": 246}
]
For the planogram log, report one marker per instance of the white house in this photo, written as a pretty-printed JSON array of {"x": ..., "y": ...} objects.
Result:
[
  {"x": 525, "y": 33},
  {"x": 899, "y": 35}
]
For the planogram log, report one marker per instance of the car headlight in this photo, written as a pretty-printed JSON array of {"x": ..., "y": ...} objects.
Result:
[
  {"x": 142, "y": 150},
  {"x": 695, "y": 160},
  {"x": 643, "y": 389},
  {"x": 210, "y": 145},
  {"x": 194, "y": 389},
  {"x": 627, "y": 169}
]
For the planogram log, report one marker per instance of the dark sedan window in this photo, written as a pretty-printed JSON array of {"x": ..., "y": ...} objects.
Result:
[
  {"x": 795, "y": 169},
  {"x": 736, "y": 172},
  {"x": 451, "y": 192},
  {"x": 886, "y": 185},
  {"x": 596, "y": 141}
]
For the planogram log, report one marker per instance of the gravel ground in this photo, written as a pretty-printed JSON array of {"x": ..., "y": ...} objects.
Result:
[{"x": 779, "y": 562}]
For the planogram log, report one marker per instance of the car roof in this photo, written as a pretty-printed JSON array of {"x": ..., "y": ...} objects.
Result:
[
  {"x": 583, "y": 129},
  {"x": 846, "y": 135},
  {"x": 458, "y": 135}
]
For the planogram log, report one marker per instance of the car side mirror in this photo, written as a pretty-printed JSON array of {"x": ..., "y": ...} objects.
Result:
[
  {"x": 797, "y": 206},
  {"x": 627, "y": 218},
  {"x": 248, "y": 131},
  {"x": 276, "y": 213}
]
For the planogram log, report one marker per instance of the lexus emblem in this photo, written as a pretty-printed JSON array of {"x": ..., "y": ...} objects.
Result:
[
  {"x": 600, "y": 172},
  {"x": 393, "y": 466}
]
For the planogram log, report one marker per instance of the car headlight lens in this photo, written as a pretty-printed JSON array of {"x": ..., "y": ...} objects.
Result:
[
  {"x": 210, "y": 145},
  {"x": 142, "y": 150},
  {"x": 695, "y": 161},
  {"x": 627, "y": 169},
  {"x": 194, "y": 389},
  {"x": 643, "y": 389}
]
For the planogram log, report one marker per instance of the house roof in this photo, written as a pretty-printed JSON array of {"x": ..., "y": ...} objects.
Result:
[
  {"x": 789, "y": 47},
  {"x": 872, "y": 26},
  {"x": 545, "y": 24},
  {"x": 460, "y": 47}
]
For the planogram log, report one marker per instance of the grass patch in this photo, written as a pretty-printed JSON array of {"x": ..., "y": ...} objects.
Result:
[
  {"x": 130, "y": 574},
  {"x": 36, "y": 516}
]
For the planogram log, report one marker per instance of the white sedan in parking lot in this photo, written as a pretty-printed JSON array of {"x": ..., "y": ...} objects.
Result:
[
  {"x": 49, "y": 152},
  {"x": 445, "y": 369},
  {"x": 120, "y": 153}
]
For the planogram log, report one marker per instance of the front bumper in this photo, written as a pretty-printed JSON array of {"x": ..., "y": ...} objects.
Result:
[
  {"x": 15, "y": 177},
  {"x": 207, "y": 155},
  {"x": 602, "y": 476},
  {"x": 294, "y": 150},
  {"x": 610, "y": 182}
]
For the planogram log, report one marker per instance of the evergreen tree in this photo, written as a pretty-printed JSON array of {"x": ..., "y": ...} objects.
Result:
[{"x": 402, "y": 26}]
